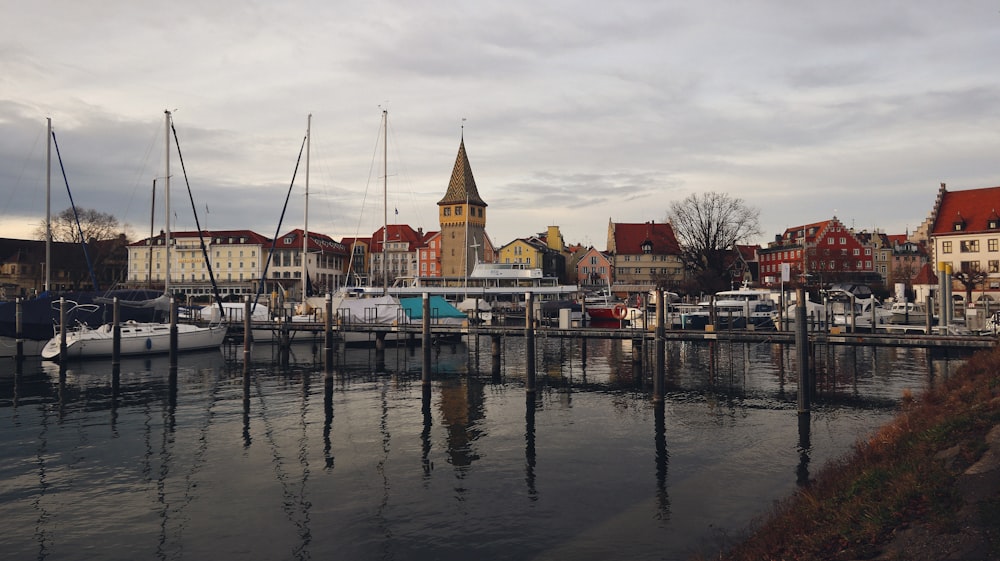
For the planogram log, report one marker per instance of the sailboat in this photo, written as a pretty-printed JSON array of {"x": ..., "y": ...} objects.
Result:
[
  {"x": 38, "y": 316},
  {"x": 138, "y": 338}
]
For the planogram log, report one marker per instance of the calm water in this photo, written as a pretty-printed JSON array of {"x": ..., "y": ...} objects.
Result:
[{"x": 287, "y": 466}]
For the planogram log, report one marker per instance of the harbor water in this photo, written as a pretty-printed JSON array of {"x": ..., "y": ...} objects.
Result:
[{"x": 279, "y": 461}]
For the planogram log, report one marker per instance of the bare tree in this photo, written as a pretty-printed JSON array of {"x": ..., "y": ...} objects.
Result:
[
  {"x": 96, "y": 225},
  {"x": 969, "y": 277},
  {"x": 708, "y": 227}
]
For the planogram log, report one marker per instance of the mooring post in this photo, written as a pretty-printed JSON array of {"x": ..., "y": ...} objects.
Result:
[
  {"x": 62, "y": 328},
  {"x": 495, "y": 357},
  {"x": 19, "y": 328},
  {"x": 116, "y": 333},
  {"x": 853, "y": 324},
  {"x": 529, "y": 342},
  {"x": 929, "y": 320},
  {"x": 328, "y": 334},
  {"x": 802, "y": 349},
  {"x": 661, "y": 359},
  {"x": 425, "y": 338},
  {"x": 173, "y": 333},
  {"x": 247, "y": 331}
]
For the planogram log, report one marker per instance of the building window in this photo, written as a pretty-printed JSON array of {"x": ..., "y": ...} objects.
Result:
[
  {"x": 447, "y": 211},
  {"x": 458, "y": 211},
  {"x": 991, "y": 244},
  {"x": 946, "y": 247},
  {"x": 857, "y": 252},
  {"x": 969, "y": 246},
  {"x": 994, "y": 266},
  {"x": 843, "y": 241}
]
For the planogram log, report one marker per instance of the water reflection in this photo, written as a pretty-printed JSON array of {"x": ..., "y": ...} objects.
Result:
[{"x": 213, "y": 445}]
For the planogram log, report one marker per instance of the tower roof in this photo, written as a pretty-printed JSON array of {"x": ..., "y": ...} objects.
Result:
[{"x": 462, "y": 186}]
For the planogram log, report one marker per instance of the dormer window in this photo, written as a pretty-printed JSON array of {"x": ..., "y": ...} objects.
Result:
[
  {"x": 959, "y": 226},
  {"x": 647, "y": 247},
  {"x": 289, "y": 241}
]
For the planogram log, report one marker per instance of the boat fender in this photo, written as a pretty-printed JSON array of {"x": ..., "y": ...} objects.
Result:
[
  {"x": 149, "y": 343},
  {"x": 619, "y": 311}
]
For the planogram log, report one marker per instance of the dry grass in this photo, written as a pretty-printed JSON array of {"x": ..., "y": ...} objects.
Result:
[{"x": 895, "y": 478}]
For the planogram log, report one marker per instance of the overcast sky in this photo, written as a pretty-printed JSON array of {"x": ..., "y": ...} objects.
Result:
[{"x": 575, "y": 112}]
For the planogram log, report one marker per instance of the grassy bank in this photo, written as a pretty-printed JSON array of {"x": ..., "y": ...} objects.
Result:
[{"x": 905, "y": 483}]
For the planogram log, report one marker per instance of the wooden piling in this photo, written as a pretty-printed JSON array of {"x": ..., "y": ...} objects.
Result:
[
  {"x": 659, "y": 376},
  {"x": 173, "y": 333},
  {"x": 116, "y": 333},
  {"x": 247, "y": 331},
  {"x": 62, "y": 329},
  {"x": 529, "y": 342},
  {"x": 19, "y": 328},
  {"x": 802, "y": 350},
  {"x": 328, "y": 335},
  {"x": 425, "y": 338}
]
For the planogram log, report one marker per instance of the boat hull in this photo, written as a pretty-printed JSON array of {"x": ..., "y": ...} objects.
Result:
[{"x": 136, "y": 339}]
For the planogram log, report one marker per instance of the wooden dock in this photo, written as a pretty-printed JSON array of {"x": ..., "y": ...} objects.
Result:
[{"x": 910, "y": 338}]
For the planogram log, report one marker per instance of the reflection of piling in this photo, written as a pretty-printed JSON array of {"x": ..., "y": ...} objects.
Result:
[
  {"x": 529, "y": 337},
  {"x": 660, "y": 374},
  {"x": 116, "y": 334},
  {"x": 495, "y": 357},
  {"x": 425, "y": 338},
  {"x": 805, "y": 447},
  {"x": 802, "y": 350}
]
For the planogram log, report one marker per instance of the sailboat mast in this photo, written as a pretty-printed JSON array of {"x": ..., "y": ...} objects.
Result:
[
  {"x": 305, "y": 220},
  {"x": 166, "y": 198},
  {"x": 385, "y": 202},
  {"x": 48, "y": 206}
]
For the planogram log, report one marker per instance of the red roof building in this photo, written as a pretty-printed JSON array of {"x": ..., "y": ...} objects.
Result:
[
  {"x": 644, "y": 255},
  {"x": 965, "y": 234}
]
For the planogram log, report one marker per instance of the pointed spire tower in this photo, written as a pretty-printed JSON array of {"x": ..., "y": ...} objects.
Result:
[{"x": 462, "y": 215}]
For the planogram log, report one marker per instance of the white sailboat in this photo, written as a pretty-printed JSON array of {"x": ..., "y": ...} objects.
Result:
[{"x": 138, "y": 338}]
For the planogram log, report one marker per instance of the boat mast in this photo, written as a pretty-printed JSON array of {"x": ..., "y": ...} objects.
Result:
[
  {"x": 305, "y": 221},
  {"x": 48, "y": 206},
  {"x": 385, "y": 202},
  {"x": 166, "y": 198}
]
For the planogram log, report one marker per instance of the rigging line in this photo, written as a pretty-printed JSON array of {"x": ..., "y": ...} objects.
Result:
[
  {"x": 139, "y": 172},
  {"x": 277, "y": 231},
  {"x": 16, "y": 189},
  {"x": 83, "y": 242},
  {"x": 364, "y": 199},
  {"x": 201, "y": 234}
]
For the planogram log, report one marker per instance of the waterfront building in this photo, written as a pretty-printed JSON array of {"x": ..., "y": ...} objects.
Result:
[
  {"x": 823, "y": 252},
  {"x": 462, "y": 219},
  {"x": 965, "y": 236},
  {"x": 594, "y": 269},
  {"x": 238, "y": 258},
  {"x": 429, "y": 255},
  {"x": 22, "y": 266},
  {"x": 534, "y": 253},
  {"x": 393, "y": 253},
  {"x": 357, "y": 267},
  {"x": 325, "y": 263},
  {"x": 644, "y": 256}
]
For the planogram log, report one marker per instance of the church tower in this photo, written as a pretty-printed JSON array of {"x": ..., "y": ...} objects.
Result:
[{"x": 462, "y": 215}]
